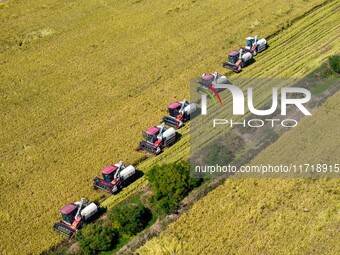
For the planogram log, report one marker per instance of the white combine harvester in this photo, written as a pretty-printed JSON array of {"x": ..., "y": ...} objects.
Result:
[
  {"x": 156, "y": 138},
  {"x": 115, "y": 177},
  {"x": 74, "y": 216},
  {"x": 239, "y": 59},
  {"x": 179, "y": 112}
]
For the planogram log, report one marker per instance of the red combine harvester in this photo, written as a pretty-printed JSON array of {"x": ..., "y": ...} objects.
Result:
[
  {"x": 75, "y": 215},
  {"x": 209, "y": 84},
  {"x": 156, "y": 138},
  {"x": 213, "y": 79},
  {"x": 115, "y": 177},
  {"x": 238, "y": 59},
  {"x": 254, "y": 45},
  {"x": 179, "y": 113}
]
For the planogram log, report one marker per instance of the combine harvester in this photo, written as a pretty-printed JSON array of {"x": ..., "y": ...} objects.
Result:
[
  {"x": 208, "y": 84},
  {"x": 179, "y": 113},
  {"x": 239, "y": 59},
  {"x": 208, "y": 80},
  {"x": 254, "y": 45},
  {"x": 115, "y": 177},
  {"x": 156, "y": 138},
  {"x": 74, "y": 216}
]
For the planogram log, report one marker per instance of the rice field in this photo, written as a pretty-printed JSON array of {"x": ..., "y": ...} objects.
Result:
[
  {"x": 280, "y": 47},
  {"x": 80, "y": 80},
  {"x": 268, "y": 216}
]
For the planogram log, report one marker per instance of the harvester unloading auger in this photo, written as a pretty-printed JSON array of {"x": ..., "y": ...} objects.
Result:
[
  {"x": 115, "y": 177},
  {"x": 156, "y": 138},
  {"x": 74, "y": 216},
  {"x": 179, "y": 113}
]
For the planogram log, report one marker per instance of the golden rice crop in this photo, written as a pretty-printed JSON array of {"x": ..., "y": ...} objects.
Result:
[
  {"x": 80, "y": 80},
  {"x": 268, "y": 216}
]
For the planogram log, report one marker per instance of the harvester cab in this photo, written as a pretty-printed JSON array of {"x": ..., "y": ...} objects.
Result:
[
  {"x": 156, "y": 138},
  {"x": 151, "y": 134},
  {"x": 207, "y": 80},
  {"x": 250, "y": 41},
  {"x": 68, "y": 213},
  {"x": 254, "y": 46},
  {"x": 179, "y": 113},
  {"x": 74, "y": 215},
  {"x": 238, "y": 59},
  {"x": 112, "y": 172},
  {"x": 233, "y": 56},
  {"x": 114, "y": 177},
  {"x": 177, "y": 107}
]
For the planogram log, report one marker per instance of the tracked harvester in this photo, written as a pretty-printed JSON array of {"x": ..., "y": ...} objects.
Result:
[
  {"x": 238, "y": 59},
  {"x": 156, "y": 138},
  {"x": 209, "y": 84},
  {"x": 179, "y": 112},
  {"x": 74, "y": 216},
  {"x": 115, "y": 177},
  {"x": 254, "y": 46},
  {"x": 212, "y": 79}
]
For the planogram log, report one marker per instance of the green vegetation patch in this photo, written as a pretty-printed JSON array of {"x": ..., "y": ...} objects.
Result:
[
  {"x": 170, "y": 184},
  {"x": 94, "y": 238},
  {"x": 334, "y": 61},
  {"x": 130, "y": 217}
]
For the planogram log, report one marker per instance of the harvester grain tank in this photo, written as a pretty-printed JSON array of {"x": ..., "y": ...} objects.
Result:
[
  {"x": 115, "y": 177},
  {"x": 156, "y": 138},
  {"x": 254, "y": 46},
  {"x": 74, "y": 216},
  {"x": 238, "y": 59},
  {"x": 179, "y": 112}
]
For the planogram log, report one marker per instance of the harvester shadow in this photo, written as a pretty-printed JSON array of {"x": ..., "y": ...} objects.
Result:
[
  {"x": 138, "y": 175},
  {"x": 133, "y": 178},
  {"x": 178, "y": 138},
  {"x": 101, "y": 211},
  {"x": 196, "y": 113},
  {"x": 253, "y": 60}
]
